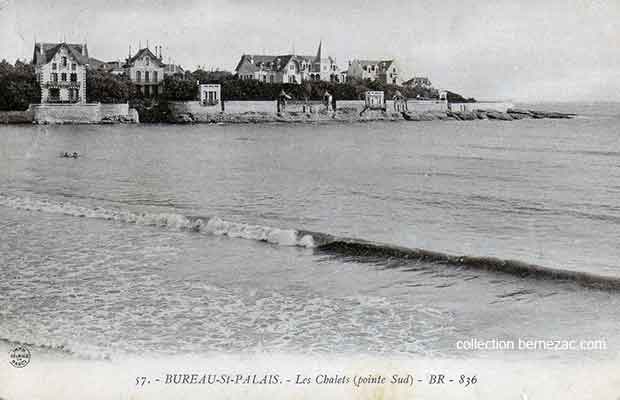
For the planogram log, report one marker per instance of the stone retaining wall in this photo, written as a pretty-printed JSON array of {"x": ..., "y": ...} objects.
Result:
[
  {"x": 67, "y": 113},
  {"x": 114, "y": 110},
  {"x": 17, "y": 117},
  {"x": 481, "y": 106}
]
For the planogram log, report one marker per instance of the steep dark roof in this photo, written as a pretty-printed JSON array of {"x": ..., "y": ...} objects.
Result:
[
  {"x": 50, "y": 49},
  {"x": 95, "y": 63},
  {"x": 269, "y": 63},
  {"x": 418, "y": 79},
  {"x": 253, "y": 63},
  {"x": 382, "y": 64},
  {"x": 144, "y": 52}
]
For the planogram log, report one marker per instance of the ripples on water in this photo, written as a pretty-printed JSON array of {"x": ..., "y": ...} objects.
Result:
[{"x": 538, "y": 191}]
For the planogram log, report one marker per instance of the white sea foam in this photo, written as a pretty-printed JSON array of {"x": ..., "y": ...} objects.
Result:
[{"x": 213, "y": 225}]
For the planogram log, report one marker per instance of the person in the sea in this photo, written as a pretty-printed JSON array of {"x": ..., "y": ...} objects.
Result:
[
  {"x": 66, "y": 155},
  {"x": 75, "y": 154}
]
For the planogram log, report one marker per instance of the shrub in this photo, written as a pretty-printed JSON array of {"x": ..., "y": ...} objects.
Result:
[
  {"x": 18, "y": 86},
  {"x": 105, "y": 87}
]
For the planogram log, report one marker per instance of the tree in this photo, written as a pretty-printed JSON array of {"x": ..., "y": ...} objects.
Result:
[
  {"x": 457, "y": 98},
  {"x": 105, "y": 87},
  {"x": 212, "y": 76},
  {"x": 18, "y": 86},
  {"x": 180, "y": 89}
]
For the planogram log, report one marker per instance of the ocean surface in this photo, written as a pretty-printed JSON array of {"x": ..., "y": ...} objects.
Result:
[{"x": 171, "y": 240}]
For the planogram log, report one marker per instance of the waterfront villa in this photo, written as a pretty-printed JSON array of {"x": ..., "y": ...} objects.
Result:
[
  {"x": 146, "y": 71},
  {"x": 288, "y": 68},
  {"x": 61, "y": 71},
  {"x": 385, "y": 71},
  {"x": 418, "y": 81}
]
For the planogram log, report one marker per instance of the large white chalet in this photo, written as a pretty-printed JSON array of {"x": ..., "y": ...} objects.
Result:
[{"x": 61, "y": 71}]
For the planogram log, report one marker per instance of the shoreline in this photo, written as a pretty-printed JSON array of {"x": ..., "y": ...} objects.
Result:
[
  {"x": 353, "y": 116},
  {"x": 343, "y": 115}
]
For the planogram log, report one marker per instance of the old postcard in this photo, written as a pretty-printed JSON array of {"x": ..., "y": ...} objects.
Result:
[{"x": 234, "y": 199}]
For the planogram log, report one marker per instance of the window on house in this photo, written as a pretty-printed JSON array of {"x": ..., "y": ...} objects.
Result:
[
  {"x": 55, "y": 77},
  {"x": 146, "y": 76},
  {"x": 271, "y": 78},
  {"x": 73, "y": 77},
  {"x": 54, "y": 66},
  {"x": 154, "y": 76},
  {"x": 73, "y": 67},
  {"x": 63, "y": 77},
  {"x": 264, "y": 78},
  {"x": 64, "y": 61},
  {"x": 138, "y": 76},
  {"x": 292, "y": 67},
  {"x": 147, "y": 60}
]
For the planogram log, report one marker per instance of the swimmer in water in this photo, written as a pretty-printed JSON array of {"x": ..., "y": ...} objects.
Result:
[{"x": 75, "y": 154}]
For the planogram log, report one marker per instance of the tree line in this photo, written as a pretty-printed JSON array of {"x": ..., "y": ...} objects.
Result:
[{"x": 19, "y": 88}]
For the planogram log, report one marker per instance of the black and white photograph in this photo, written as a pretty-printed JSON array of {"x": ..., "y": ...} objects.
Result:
[{"x": 309, "y": 199}]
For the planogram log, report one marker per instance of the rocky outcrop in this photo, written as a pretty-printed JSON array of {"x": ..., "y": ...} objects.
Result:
[
  {"x": 499, "y": 116},
  {"x": 539, "y": 114},
  {"x": 352, "y": 115},
  {"x": 130, "y": 118}
]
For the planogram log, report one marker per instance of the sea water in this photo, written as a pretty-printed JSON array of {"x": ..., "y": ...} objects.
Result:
[{"x": 200, "y": 245}]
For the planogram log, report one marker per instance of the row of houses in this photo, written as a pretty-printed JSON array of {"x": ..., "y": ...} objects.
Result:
[
  {"x": 61, "y": 70},
  {"x": 294, "y": 68}
]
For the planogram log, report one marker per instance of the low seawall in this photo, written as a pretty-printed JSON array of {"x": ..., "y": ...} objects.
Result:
[
  {"x": 182, "y": 111},
  {"x": 498, "y": 106},
  {"x": 17, "y": 117},
  {"x": 114, "y": 110},
  {"x": 67, "y": 113},
  {"x": 90, "y": 113}
]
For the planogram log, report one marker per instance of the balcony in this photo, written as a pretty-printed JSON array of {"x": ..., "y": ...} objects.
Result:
[
  {"x": 57, "y": 100},
  {"x": 62, "y": 84}
]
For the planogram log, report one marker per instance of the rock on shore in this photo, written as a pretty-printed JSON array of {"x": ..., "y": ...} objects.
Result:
[{"x": 352, "y": 115}]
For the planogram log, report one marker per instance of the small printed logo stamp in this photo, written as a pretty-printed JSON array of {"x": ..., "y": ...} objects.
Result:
[{"x": 19, "y": 357}]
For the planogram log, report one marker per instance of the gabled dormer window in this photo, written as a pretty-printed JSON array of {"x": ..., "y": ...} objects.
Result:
[
  {"x": 147, "y": 60},
  {"x": 73, "y": 67},
  {"x": 54, "y": 66},
  {"x": 64, "y": 61}
]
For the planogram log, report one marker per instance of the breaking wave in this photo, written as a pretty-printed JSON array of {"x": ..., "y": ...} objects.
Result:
[
  {"x": 207, "y": 225},
  {"x": 351, "y": 248}
]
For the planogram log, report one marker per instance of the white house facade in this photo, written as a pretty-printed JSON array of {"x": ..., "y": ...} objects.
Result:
[
  {"x": 288, "y": 68},
  {"x": 146, "y": 71},
  {"x": 61, "y": 71},
  {"x": 386, "y": 71}
]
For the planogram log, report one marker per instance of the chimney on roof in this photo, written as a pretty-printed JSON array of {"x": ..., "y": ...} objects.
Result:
[
  {"x": 160, "y": 56},
  {"x": 84, "y": 49}
]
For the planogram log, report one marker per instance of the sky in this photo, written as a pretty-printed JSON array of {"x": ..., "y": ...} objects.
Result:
[{"x": 527, "y": 50}]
